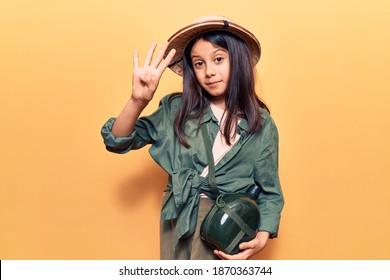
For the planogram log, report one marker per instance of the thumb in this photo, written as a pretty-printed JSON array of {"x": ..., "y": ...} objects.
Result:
[{"x": 247, "y": 245}]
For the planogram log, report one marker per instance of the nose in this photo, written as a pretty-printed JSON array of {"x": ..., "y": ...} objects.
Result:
[{"x": 210, "y": 71}]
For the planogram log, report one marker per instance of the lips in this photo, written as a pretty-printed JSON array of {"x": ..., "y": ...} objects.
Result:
[{"x": 213, "y": 83}]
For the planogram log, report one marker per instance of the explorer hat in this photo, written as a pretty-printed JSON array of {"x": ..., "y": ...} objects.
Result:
[{"x": 181, "y": 38}]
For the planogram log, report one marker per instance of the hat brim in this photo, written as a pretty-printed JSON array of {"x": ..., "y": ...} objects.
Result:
[{"x": 184, "y": 36}]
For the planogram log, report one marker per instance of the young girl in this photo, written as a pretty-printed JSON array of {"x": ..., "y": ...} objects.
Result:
[{"x": 216, "y": 58}]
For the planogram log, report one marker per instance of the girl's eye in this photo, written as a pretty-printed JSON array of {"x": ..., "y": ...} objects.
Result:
[
  {"x": 219, "y": 59},
  {"x": 198, "y": 64}
]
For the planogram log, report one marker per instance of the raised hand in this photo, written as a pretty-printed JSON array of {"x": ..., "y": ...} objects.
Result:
[
  {"x": 147, "y": 77},
  {"x": 145, "y": 82}
]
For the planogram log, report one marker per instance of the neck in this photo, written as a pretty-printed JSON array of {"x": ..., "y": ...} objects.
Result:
[{"x": 220, "y": 103}]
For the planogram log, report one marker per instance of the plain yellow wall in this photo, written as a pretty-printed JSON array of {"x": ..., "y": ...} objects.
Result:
[{"x": 65, "y": 68}]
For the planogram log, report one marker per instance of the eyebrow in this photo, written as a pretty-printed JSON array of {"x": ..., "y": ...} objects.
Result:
[{"x": 219, "y": 49}]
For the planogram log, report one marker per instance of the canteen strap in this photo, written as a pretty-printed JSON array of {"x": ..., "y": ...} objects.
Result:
[
  {"x": 210, "y": 159},
  {"x": 243, "y": 226},
  {"x": 234, "y": 242}
]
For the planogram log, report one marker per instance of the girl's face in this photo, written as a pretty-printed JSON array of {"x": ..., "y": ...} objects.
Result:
[{"x": 212, "y": 69}]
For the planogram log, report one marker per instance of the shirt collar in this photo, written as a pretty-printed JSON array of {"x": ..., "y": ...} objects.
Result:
[
  {"x": 243, "y": 125},
  {"x": 208, "y": 115}
]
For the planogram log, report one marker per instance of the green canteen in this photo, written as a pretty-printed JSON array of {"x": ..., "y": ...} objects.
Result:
[{"x": 233, "y": 219}]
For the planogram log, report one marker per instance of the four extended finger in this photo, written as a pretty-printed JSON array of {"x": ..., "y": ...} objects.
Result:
[
  {"x": 149, "y": 56},
  {"x": 159, "y": 62},
  {"x": 160, "y": 55},
  {"x": 165, "y": 62},
  {"x": 135, "y": 60}
]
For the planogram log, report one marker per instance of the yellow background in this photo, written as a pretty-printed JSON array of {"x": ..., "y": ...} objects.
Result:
[{"x": 65, "y": 68}]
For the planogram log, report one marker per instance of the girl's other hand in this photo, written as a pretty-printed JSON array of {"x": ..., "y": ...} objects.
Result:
[{"x": 248, "y": 249}]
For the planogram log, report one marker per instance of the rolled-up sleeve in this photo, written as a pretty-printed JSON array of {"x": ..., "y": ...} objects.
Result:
[
  {"x": 116, "y": 144},
  {"x": 271, "y": 199},
  {"x": 147, "y": 130}
]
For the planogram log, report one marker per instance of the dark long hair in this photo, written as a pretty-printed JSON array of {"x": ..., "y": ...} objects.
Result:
[{"x": 241, "y": 99}]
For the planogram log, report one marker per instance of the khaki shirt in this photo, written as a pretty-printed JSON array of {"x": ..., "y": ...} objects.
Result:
[{"x": 252, "y": 160}]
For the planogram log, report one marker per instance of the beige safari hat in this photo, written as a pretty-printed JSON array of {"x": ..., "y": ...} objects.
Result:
[{"x": 181, "y": 38}]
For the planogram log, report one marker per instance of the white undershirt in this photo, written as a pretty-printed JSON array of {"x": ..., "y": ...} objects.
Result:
[{"x": 220, "y": 147}]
